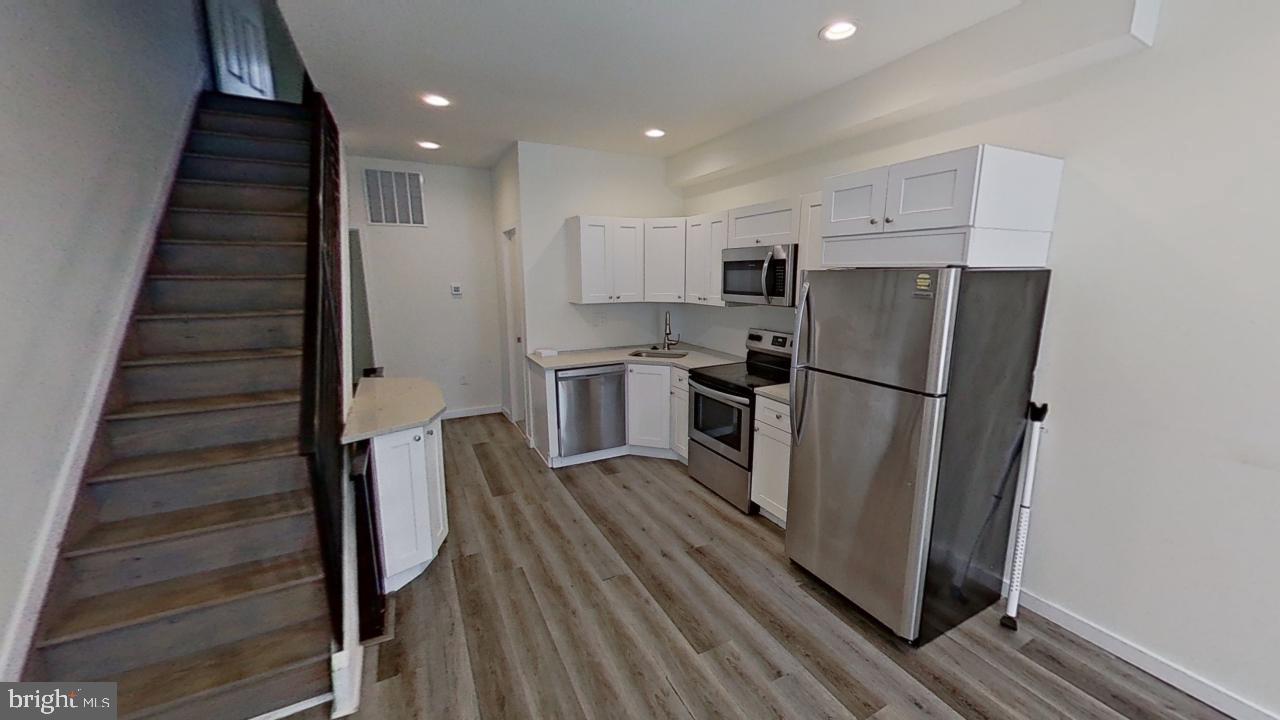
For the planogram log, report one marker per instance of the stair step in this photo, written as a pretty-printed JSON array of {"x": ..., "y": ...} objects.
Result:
[
  {"x": 199, "y": 374},
  {"x": 253, "y": 106},
  {"x": 162, "y": 334},
  {"x": 149, "y": 529},
  {"x": 146, "y": 603},
  {"x": 152, "y": 689},
  {"x": 205, "y": 142},
  {"x": 229, "y": 257},
  {"x": 166, "y": 408},
  {"x": 196, "y": 460},
  {"x": 207, "y": 294},
  {"x": 176, "y": 425},
  {"x": 255, "y": 125},
  {"x": 201, "y": 224},
  {"x": 229, "y": 169},
  {"x": 222, "y": 195}
]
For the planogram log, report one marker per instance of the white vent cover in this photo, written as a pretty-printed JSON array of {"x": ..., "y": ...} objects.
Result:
[{"x": 395, "y": 198}]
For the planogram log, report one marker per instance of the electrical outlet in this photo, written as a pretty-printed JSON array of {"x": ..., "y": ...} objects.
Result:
[{"x": 455, "y": 289}]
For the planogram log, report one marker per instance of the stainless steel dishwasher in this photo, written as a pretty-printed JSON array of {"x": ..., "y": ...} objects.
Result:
[{"x": 592, "y": 409}]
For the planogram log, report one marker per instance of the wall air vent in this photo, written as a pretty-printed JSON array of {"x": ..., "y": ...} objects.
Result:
[{"x": 394, "y": 197}]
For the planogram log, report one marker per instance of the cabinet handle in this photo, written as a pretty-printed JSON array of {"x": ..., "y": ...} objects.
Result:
[
  {"x": 679, "y": 297},
  {"x": 433, "y": 432},
  {"x": 757, "y": 241},
  {"x": 874, "y": 221},
  {"x": 777, "y": 416},
  {"x": 888, "y": 220},
  {"x": 417, "y": 438},
  {"x": 756, "y": 428}
]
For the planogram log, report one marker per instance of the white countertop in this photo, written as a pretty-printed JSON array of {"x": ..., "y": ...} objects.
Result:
[
  {"x": 697, "y": 357},
  {"x": 383, "y": 405},
  {"x": 781, "y": 393}
]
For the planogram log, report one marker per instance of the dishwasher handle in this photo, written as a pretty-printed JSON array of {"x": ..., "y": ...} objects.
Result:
[{"x": 590, "y": 371}]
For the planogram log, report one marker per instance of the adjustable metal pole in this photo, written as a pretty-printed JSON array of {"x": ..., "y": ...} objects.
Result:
[{"x": 1035, "y": 425}]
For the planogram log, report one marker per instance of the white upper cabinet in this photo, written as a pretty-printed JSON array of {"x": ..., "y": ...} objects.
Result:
[
  {"x": 811, "y": 231},
  {"x": 932, "y": 192},
  {"x": 606, "y": 257},
  {"x": 771, "y": 223},
  {"x": 983, "y": 206},
  {"x": 649, "y": 406},
  {"x": 854, "y": 203},
  {"x": 627, "y": 257},
  {"x": 704, "y": 240},
  {"x": 664, "y": 260}
]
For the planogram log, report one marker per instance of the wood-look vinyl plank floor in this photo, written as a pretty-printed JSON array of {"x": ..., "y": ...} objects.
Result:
[{"x": 623, "y": 589}]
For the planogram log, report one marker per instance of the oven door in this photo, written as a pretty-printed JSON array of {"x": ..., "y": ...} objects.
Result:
[
  {"x": 721, "y": 422},
  {"x": 759, "y": 275}
]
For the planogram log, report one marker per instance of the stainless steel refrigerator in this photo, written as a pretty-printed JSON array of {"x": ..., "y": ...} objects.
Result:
[{"x": 909, "y": 391}]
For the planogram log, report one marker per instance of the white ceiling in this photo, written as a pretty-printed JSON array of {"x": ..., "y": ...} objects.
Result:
[{"x": 590, "y": 73}]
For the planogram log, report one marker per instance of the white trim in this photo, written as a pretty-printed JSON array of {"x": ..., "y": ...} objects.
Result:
[
  {"x": 1175, "y": 675},
  {"x": 468, "y": 412},
  {"x": 596, "y": 455},
  {"x": 295, "y": 708},
  {"x": 19, "y": 630},
  {"x": 346, "y": 666}
]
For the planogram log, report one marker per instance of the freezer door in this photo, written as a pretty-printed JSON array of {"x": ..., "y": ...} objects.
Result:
[
  {"x": 860, "y": 504},
  {"x": 890, "y": 326}
]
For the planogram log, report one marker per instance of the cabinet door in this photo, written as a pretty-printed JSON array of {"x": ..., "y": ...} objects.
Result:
[
  {"x": 438, "y": 514},
  {"x": 932, "y": 192},
  {"x": 715, "y": 259},
  {"x": 853, "y": 203},
  {"x": 626, "y": 256},
  {"x": 811, "y": 231},
  {"x": 771, "y": 223},
  {"x": 697, "y": 254},
  {"x": 594, "y": 269},
  {"x": 403, "y": 499},
  {"x": 680, "y": 422},
  {"x": 770, "y": 465},
  {"x": 648, "y": 409},
  {"x": 664, "y": 254}
]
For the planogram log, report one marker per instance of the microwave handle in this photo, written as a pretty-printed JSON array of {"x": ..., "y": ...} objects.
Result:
[{"x": 764, "y": 276}]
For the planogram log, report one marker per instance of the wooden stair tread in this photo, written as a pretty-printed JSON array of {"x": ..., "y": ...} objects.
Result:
[
  {"x": 237, "y": 314},
  {"x": 190, "y": 521},
  {"x": 151, "y": 688},
  {"x": 228, "y": 211},
  {"x": 187, "y": 241},
  {"x": 255, "y": 116},
  {"x": 237, "y": 158},
  {"x": 244, "y": 136},
  {"x": 190, "y": 276},
  {"x": 123, "y": 608},
  {"x": 159, "y": 464},
  {"x": 212, "y": 356},
  {"x": 233, "y": 184},
  {"x": 204, "y": 404}
]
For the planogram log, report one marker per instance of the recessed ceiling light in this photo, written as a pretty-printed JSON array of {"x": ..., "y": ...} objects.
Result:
[
  {"x": 436, "y": 100},
  {"x": 654, "y": 133},
  {"x": 838, "y": 30},
  {"x": 428, "y": 145}
]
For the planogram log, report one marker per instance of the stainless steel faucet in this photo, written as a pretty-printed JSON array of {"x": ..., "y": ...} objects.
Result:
[{"x": 667, "y": 342}]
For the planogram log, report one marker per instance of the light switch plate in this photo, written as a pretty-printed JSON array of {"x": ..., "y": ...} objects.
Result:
[{"x": 455, "y": 289}]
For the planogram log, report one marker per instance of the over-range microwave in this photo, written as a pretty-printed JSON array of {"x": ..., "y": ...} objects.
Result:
[{"x": 763, "y": 275}]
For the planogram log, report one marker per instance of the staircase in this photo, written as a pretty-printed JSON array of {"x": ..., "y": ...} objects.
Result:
[{"x": 191, "y": 572}]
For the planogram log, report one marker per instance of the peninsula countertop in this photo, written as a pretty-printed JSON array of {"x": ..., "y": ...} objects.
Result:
[
  {"x": 387, "y": 404},
  {"x": 780, "y": 393},
  {"x": 697, "y": 357}
]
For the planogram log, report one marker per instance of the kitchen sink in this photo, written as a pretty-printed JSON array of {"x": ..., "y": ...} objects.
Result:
[{"x": 658, "y": 353}]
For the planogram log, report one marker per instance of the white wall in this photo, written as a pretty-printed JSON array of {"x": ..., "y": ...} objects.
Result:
[
  {"x": 418, "y": 328},
  {"x": 557, "y": 183},
  {"x": 1156, "y": 512},
  {"x": 506, "y": 217},
  {"x": 96, "y": 101}
]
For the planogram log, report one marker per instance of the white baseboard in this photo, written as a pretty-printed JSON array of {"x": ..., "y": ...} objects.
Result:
[
  {"x": 468, "y": 412},
  {"x": 1177, "y": 676},
  {"x": 662, "y": 453}
]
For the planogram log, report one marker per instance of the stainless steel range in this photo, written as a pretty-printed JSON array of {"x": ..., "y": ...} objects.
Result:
[{"x": 721, "y": 408}]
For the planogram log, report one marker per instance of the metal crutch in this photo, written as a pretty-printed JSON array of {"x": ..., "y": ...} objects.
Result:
[{"x": 1035, "y": 425}]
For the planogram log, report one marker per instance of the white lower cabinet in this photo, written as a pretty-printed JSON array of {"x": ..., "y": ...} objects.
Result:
[
  {"x": 408, "y": 473},
  {"x": 771, "y": 458},
  {"x": 648, "y": 409},
  {"x": 680, "y": 423}
]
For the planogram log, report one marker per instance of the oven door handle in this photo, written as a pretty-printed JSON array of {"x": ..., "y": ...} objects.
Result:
[
  {"x": 738, "y": 402},
  {"x": 764, "y": 276}
]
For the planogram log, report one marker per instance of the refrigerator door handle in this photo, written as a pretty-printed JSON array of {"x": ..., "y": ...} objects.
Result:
[{"x": 797, "y": 411}]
